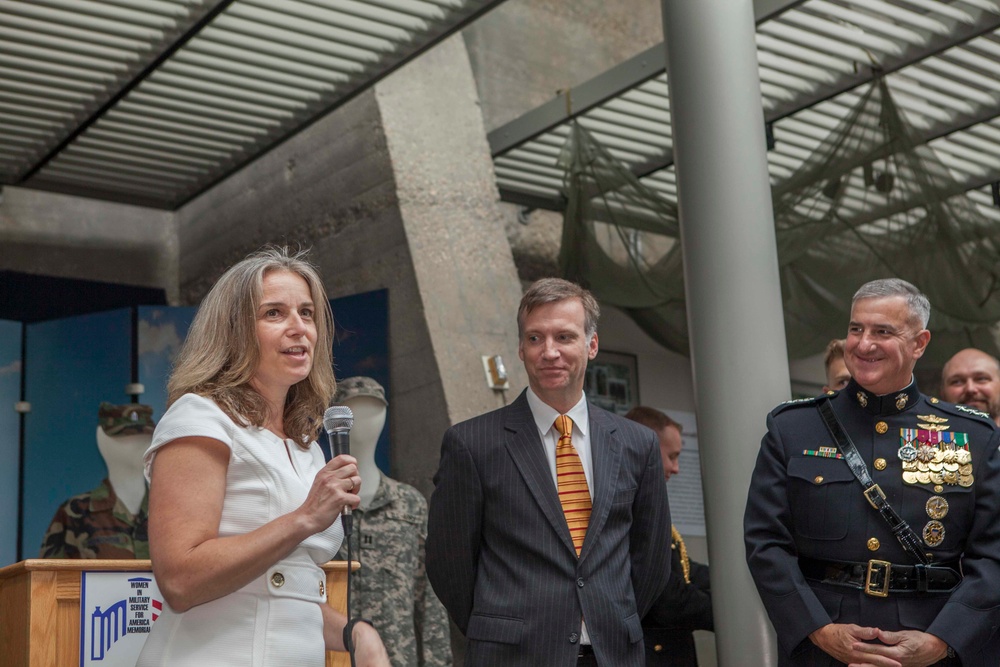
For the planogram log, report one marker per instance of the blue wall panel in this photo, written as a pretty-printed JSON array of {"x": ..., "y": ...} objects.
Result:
[
  {"x": 361, "y": 347},
  {"x": 162, "y": 330},
  {"x": 10, "y": 393},
  {"x": 71, "y": 366}
]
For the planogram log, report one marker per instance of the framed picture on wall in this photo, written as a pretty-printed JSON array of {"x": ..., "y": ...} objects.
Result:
[{"x": 612, "y": 381}]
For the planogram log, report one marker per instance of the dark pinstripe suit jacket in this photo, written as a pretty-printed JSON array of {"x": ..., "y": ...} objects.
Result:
[{"x": 500, "y": 557}]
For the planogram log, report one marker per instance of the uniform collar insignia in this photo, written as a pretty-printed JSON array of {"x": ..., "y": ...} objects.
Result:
[{"x": 887, "y": 405}]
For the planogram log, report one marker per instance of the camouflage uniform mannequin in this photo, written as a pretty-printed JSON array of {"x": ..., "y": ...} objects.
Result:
[
  {"x": 110, "y": 520},
  {"x": 390, "y": 526}
]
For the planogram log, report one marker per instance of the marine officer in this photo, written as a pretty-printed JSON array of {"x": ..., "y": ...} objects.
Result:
[{"x": 837, "y": 583}]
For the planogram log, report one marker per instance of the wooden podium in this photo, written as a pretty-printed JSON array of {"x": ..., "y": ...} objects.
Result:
[{"x": 40, "y": 608}]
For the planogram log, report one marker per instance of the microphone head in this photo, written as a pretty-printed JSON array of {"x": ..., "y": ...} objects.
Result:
[{"x": 338, "y": 418}]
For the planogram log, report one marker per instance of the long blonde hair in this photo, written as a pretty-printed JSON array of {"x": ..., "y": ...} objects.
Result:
[{"x": 220, "y": 354}]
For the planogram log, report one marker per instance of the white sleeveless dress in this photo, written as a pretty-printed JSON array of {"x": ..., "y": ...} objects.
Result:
[{"x": 275, "y": 621}]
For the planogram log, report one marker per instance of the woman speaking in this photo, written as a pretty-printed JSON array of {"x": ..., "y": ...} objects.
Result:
[{"x": 242, "y": 508}]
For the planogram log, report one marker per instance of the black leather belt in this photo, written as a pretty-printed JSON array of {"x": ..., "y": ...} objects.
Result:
[{"x": 880, "y": 578}]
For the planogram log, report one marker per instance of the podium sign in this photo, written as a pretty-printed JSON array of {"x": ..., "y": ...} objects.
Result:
[
  {"x": 61, "y": 613},
  {"x": 117, "y": 611}
]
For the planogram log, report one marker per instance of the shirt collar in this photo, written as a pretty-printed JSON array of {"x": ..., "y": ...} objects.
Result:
[{"x": 545, "y": 415}]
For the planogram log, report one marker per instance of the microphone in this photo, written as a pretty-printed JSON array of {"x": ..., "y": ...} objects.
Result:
[{"x": 337, "y": 421}]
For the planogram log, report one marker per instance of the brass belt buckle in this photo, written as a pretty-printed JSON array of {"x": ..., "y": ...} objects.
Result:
[
  {"x": 869, "y": 494},
  {"x": 877, "y": 578}
]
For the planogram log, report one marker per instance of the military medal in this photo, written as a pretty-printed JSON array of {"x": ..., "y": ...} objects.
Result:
[
  {"x": 930, "y": 454},
  {"x": 933, "y": 533},
  {"x": 937, "y": 507}
]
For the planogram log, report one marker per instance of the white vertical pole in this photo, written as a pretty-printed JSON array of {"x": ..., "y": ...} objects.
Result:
[{"x": 735, "y": 319}]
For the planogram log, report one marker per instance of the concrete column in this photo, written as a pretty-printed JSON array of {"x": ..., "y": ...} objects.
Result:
[
  {"x": 738, "y": 351},
  {"x": 465, "y": 276}
]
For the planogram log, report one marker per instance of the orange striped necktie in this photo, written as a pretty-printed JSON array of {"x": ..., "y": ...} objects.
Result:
[{"x": 571, "y": 483}]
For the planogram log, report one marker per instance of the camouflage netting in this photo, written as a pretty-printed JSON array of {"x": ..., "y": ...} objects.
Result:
[{"x": 869, "y": 203}]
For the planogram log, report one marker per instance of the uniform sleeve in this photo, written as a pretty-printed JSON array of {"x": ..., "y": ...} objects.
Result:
[
  {"x": 793, "y": 608},
  {"x": 649, "y": 536},
  {"x": 683, "y": 605},
  {"x": 972, "y": 614},
  {"x": 454, "y": 529}
]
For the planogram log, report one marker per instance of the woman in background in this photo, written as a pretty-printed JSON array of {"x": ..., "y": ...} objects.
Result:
[{"x": 242, "y": 508}]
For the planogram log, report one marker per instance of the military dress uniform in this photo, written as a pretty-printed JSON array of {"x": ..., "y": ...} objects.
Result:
[{"x": 819, "y": 552}]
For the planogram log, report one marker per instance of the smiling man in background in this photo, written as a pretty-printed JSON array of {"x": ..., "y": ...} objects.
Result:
[{"x": 972, "y": 377}]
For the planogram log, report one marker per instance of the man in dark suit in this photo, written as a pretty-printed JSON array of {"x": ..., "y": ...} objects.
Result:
[
  {"x": 838, "y": 585},
  {"x": 524, "y": 586},
  {"x": 686, "y": 603}
]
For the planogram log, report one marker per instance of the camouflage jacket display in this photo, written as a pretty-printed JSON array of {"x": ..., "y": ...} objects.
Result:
[
  {"x": 391, "y": 588},
  {"x": 97, "y": 524}
]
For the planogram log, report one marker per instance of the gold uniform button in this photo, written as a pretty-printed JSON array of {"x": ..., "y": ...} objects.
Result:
[
  {"x": 873, "y": 544},
  {"x": 881, "y": 428},
  {"x": 938, "y": 488},
  {"x": 322, "y": 587},
  {"x": 818, "y": 479},
  {"x": 880, "y": 464},
  {"x": 277, "y": 580},
  {"x": 830, "y": 392},
  {"x": 658, "y": 648},
  {"x": 935, "y": 400}
]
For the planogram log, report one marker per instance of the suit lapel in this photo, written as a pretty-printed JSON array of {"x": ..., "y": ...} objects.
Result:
[
  {"x": 528, "y": 454},
  {"x": 605, "y": 452}
]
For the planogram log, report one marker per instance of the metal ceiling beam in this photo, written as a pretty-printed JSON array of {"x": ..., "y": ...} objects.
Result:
[
  {"x": 578, "y": 100},
  {"x": 172, "y": 46},
  {"x": 361, "y": 87},
  {"x": 960, "y": 35}
]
